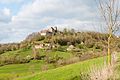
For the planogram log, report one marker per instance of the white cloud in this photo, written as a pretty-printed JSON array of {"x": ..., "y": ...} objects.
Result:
[
  {"x": 6, "y": 12},
  {"x": 41, "y": 13},
  {"x": 5, "y": 15},
  {"x": 10, "y": 1},
  {"x": 56, "y": 8}
]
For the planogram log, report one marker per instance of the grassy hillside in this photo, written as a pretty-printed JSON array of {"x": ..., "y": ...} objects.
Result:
[
  {"x": 20, "y": 63},
  {"x": 26, "y": 55},
  {"x": 15, "y": 70},
  {"x": 9, "y": 72},
  {"x": 67, "y": 72}
]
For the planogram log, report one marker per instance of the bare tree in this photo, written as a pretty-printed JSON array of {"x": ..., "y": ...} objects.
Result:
[
  {"x": 110, "y": 10},
  {"x": 35, "y": 52}
]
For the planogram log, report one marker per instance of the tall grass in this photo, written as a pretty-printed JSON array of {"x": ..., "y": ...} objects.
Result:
[
  {"x": 101, "y": 72},
  {"x": 105, "y": 72}
]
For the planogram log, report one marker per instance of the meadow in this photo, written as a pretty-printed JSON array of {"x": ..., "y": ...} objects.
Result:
[{"x": 32, "y": 70}]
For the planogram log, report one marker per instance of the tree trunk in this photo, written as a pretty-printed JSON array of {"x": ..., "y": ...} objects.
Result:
[{"x": 109, "y": 51}]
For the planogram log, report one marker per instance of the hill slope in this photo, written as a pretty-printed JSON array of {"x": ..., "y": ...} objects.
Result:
[{"x": 67, "y": 72}]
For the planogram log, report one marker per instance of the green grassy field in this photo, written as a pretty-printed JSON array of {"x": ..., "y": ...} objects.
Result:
[
  {"x": 33, "y": 71},
  {"x": 9, "y": 72},
  {"x": 67, "y": 72},
  {"x": 25, "y": 52},
  {"x": 20, "y": 52}
]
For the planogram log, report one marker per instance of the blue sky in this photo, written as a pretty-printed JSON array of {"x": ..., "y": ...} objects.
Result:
[{"x": 18, "y": 18}]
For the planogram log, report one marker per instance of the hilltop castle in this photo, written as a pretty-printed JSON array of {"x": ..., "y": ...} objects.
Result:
[{"x": 49, "y": 32}]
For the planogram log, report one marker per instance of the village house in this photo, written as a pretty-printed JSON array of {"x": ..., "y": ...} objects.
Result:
[
  {"x": 49, "y": 32},
  {"x": 39, "y": 46},
  {"x": 43, "y": 45}
]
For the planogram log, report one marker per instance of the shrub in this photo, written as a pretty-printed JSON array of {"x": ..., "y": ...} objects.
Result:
[
  {"x": 61, "y": 48},
  {"x": 81, "y": 46},
  {"x": 81, "y": 76},
  {"x": 86, "y": 56},
  {"x": 90, "y": 43},
  {"x": 9, "y": 47},
  {"x": 72, "y": 60},
  {"x": 60, "y": 62},
  {"x": 53, "y": 59},
  {"x": 78, "y": 54},
  {"x": 118, "y": 45},
  {"x": 99, "y": 45},
  {"x": 67, "y": 61},
  {"x": 35, "y": 53},
  {"x": 104, "y": 73},
  {"x": 14, "y": 59}
]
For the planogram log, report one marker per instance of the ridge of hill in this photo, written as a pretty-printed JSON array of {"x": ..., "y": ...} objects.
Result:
[{"x": 65, "y": 37}]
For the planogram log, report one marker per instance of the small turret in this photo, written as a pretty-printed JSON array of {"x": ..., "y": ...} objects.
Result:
[
  {"x": 52, "y": 29},
  {"x": 56, "y": 29}
]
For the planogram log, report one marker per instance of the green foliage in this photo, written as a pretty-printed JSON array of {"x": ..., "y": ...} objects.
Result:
[
  {"x": 81, "y": 46},
  {"x": 16, "y": 57},
  {"x": 67, "y": 37},
  {"x": 60, "y": 48},
  {"x": 90, "y": 43},
  {"x": 118, "y": 44},
  {"x": 9, "y": 47},
  {"x": 99, "y": 45},
  {"x": 53, "y": 57}
]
